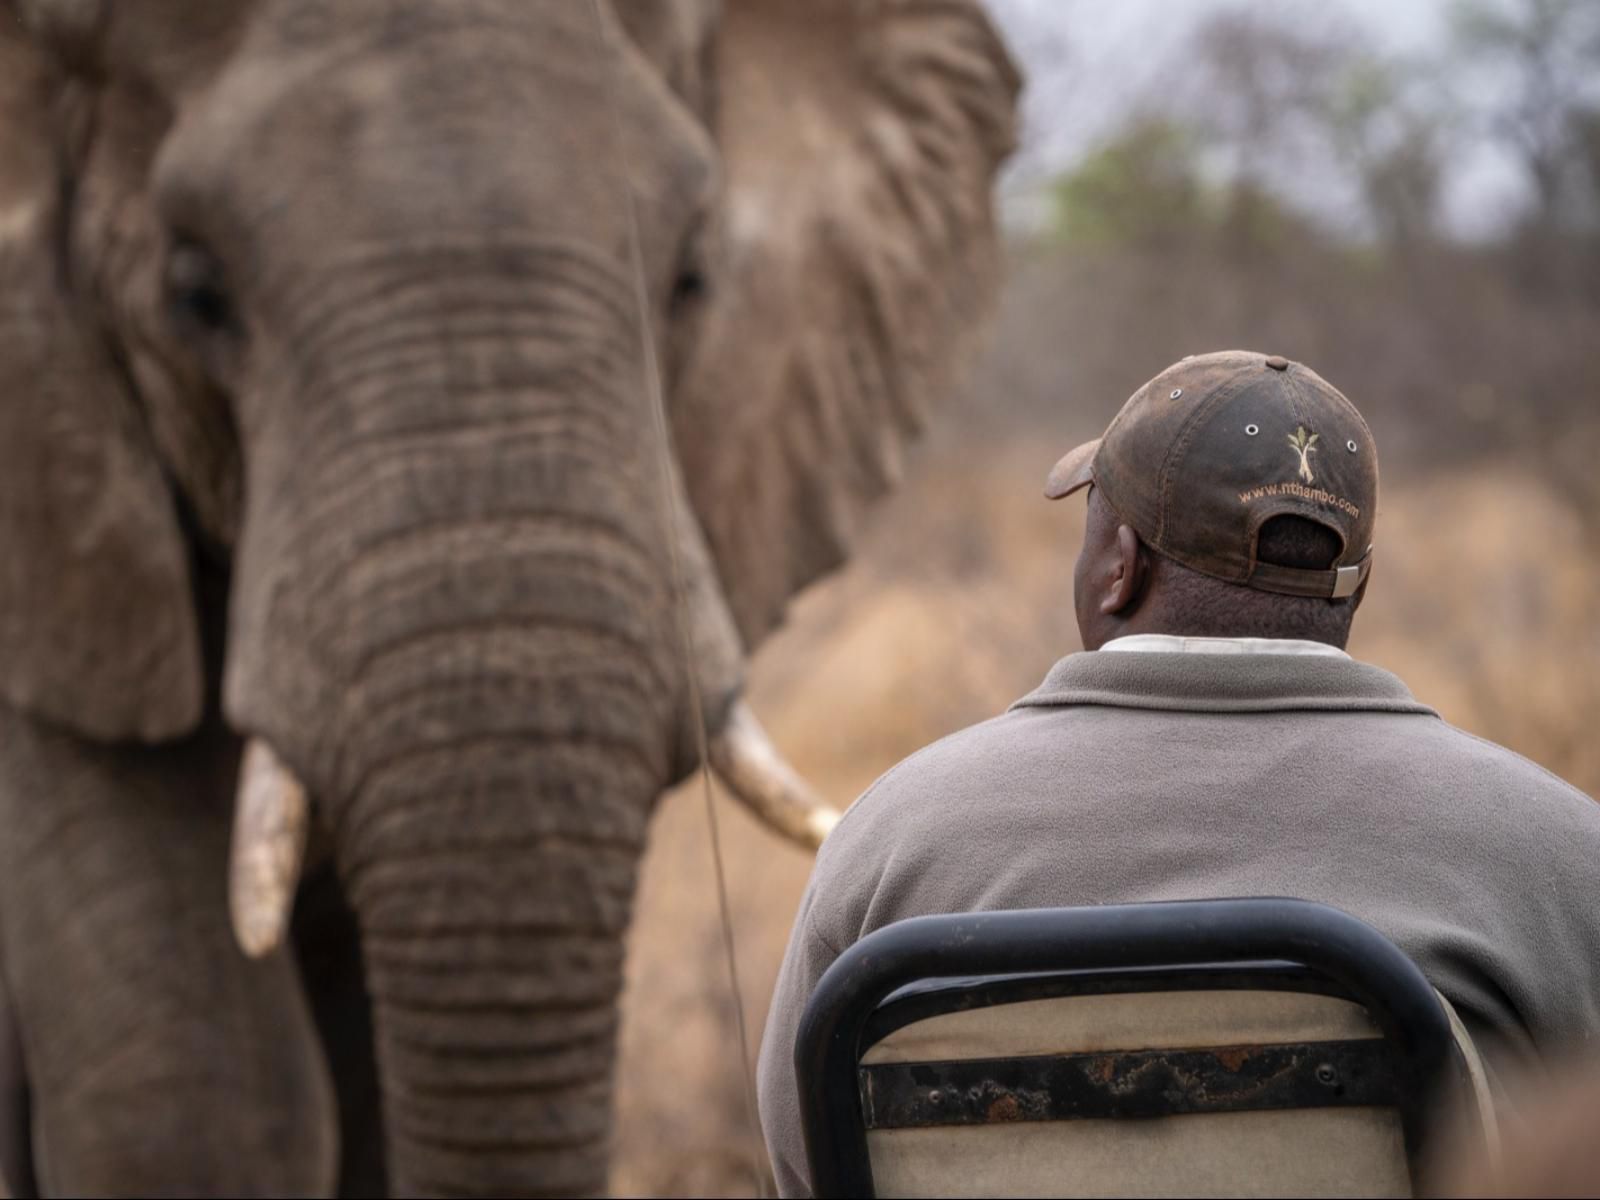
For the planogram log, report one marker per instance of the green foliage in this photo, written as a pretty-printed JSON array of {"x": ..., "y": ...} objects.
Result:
[
  {"x": 1143, "y": 186},
  {"x": 1260, "y": 114},
  {"x": 1146, "y": 187}
]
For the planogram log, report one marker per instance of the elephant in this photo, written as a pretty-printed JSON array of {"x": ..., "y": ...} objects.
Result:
[{"x": 413, "y": 413}]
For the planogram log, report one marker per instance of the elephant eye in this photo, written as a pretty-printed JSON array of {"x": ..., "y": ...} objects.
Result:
[
  {"x": 691, "y": 282},
  {"x": 197, "y": 292},
  {"x": 688, "y": 287}
]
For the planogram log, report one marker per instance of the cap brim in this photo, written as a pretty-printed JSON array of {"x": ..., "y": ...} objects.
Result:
[{"x": 1074, "y": 472}]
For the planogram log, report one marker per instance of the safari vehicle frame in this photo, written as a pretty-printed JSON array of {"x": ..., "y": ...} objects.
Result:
[{"x": 925, "y": 967}]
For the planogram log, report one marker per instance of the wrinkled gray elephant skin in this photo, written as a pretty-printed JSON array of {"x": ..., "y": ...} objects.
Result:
[{"x": 325, "y": 433}]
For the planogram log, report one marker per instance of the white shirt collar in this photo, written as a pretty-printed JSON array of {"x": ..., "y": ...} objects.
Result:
[{"x": 1162, "y": 643}]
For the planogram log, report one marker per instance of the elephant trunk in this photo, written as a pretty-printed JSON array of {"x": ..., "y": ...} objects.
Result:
[
  {"x": 455, "y": 620},
  {"x": 493, "y": 911},
  {"x": 513, "y": 731},
  {"x": 513, "y": 708}
]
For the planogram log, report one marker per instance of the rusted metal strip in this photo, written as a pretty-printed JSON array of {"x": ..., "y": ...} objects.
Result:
[{"x": 1139, "y": 1083}]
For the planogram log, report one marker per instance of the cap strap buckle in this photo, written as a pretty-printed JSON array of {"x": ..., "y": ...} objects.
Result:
[{"x": 1336, "y": 583}]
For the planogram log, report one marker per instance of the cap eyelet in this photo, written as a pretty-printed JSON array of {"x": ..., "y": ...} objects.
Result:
[
  {"x": 1176, "y": 392},
  {"x": 1251, "y": 430},
  {"x": 1351, "y": 445}
]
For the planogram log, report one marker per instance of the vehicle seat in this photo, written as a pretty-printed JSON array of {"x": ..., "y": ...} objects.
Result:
[{"x": 1246, "y": 1047}]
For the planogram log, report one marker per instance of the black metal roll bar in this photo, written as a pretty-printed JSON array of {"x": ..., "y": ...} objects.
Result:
[{"x": 1271, "y": 943}]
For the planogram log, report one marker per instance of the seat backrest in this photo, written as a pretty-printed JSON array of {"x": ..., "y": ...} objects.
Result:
[
  {"x": 1135, "y": 1050},
  {"x": 1151, "y": 1042}
]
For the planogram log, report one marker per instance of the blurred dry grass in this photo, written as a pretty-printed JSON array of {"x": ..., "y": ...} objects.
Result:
[{"x": 1485, "y": 594}]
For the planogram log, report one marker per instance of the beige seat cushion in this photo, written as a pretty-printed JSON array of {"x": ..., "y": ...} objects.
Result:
[
  {"x": 1301, "y": 1152},
  {"x": 1297, "y": 1152}
]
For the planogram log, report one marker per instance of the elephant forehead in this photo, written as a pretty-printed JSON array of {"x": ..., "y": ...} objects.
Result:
[{"x": 487, "y": 116}]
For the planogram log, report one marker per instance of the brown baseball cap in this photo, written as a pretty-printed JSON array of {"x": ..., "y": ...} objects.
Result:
[{"x": 1212, "y": 448}]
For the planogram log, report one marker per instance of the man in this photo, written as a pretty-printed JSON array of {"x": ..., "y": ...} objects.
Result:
[{"x": 1215, "y": 740}]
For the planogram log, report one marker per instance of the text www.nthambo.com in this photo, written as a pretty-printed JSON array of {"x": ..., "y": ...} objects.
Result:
[{"x": 1301, "y": 490}]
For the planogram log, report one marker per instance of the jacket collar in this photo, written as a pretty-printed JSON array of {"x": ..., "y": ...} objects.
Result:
[{"x": 1223, "y": 683}]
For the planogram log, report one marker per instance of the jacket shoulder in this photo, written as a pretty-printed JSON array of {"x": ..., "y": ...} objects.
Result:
[
  {"x": 1528, "y": 779},
  {"x": 968, "y": 755}
]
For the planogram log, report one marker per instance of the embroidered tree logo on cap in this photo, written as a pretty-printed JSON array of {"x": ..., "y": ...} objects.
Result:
[{"x": 1304, "y": 444}]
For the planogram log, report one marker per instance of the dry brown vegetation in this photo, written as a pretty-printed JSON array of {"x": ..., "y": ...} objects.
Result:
[{"x": 1482, "y": 394}]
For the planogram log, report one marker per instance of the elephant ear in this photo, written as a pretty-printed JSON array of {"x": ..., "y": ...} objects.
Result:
[
  {"x": 858, "y": 258},
  {"x": 97, "y": 620}
]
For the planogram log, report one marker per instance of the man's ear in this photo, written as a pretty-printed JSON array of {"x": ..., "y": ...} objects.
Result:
[{"x": 1130, "y": 575}]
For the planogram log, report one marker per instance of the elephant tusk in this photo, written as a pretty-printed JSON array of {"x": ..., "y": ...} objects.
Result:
[
  {"x": 744, "y": 757},
  {"x": 269, "y": 844}
]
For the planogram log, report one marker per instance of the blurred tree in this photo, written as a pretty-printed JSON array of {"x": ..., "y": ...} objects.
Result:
[
  {"x": 1544, "y": 58},
  {"x": 1587, "y": 136},
  {"x": 1146, "y": 187},
  {"x": 1392, "y": 135},
  {"x": 1261, "y": 83},
  {"x": 1141, "y": 187},
  {"x": 1281, "y": 100}
]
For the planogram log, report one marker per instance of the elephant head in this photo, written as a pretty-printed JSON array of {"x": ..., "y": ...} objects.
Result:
[{"x": 353, "y": 305}]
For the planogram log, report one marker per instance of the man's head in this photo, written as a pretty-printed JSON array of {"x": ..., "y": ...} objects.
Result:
[{"x": 1233, "y": 496}]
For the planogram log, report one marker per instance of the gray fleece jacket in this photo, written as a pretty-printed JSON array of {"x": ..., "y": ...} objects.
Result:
[{"x": 1155, "y": 776}]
